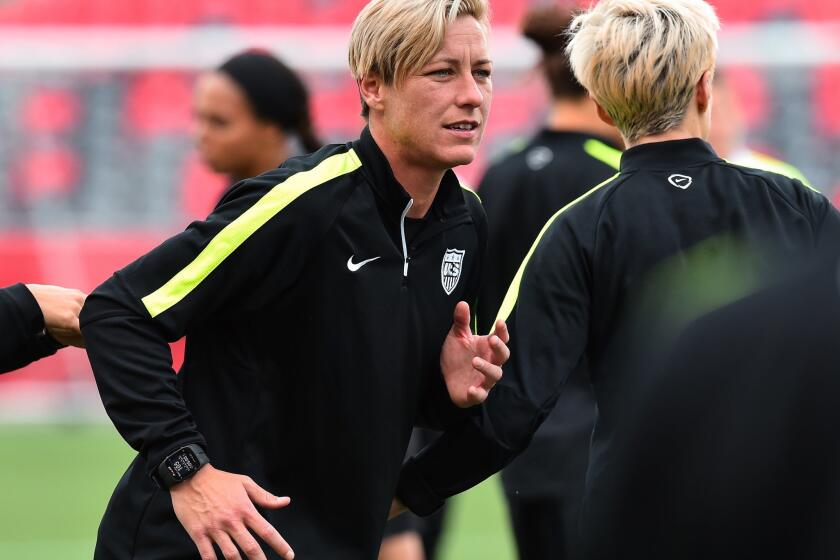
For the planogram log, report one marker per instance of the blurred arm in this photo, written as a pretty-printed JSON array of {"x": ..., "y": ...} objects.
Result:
[{"x": 24, "y": 339}]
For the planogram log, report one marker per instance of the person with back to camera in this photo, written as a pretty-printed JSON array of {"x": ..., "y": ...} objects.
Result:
[
  {"x": 649, "y": 66},
  {"x": 325, "y": 309}
]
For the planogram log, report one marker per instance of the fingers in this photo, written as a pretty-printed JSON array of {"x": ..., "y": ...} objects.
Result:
[
  {"x": 236, "y": 531},
  {"x": 226, "y": 545},
  {"x": 205, "y": 546},
  {"x": 502, "y": 331},
  {"x": 266, "y": 531},
  {"x": 477, "y": 395},
  {"x": 263, "y": 497},
  {"x": 500, "y": 351},
  {"x": 259, "y": 525},
  {"x": 247, "y": 544},
  {"x": 461, "y": 319},
  {"x": 492, "y": 373}
]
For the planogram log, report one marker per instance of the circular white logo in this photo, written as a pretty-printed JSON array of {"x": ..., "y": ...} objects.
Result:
[
  {"x": 680, "y": 181},
  {"x": 538, "y": 157}
]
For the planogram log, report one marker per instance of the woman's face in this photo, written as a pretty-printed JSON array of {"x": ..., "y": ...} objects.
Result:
[
  {"x": 438, "y": 115},
  {"x": 227, "y": 134}
]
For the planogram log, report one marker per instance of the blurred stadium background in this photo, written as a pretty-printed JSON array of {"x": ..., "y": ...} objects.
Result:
[{"x": 96, "y": 167}]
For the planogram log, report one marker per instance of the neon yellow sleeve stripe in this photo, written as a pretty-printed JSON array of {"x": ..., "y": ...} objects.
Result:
[
  {"x": 603, "y": 153},
  {"x": 782, "y": 168},
  {"x": 757, "y": 160},
  {"x": 513, "y": 292},
  {"x": 240, "y": 229}
]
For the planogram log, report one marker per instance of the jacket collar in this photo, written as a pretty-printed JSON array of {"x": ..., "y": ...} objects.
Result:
[
  {"x": 449, "y": 201},
  {"x": 668, "y": 155}
]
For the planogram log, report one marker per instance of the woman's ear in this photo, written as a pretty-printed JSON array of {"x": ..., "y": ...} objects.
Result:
[
  {"x": 371, "y": 88},
  {"x": 703, "y": 92}
]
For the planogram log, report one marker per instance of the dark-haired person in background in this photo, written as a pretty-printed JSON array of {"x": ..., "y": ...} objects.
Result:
[
  {"x": 35, "y": 321},
  {"x": 248, "y": 112},
  {"x": 573, "y": 152}
]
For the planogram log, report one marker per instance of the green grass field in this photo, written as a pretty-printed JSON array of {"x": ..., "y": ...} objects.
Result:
[{"x": 55, "y": 482}]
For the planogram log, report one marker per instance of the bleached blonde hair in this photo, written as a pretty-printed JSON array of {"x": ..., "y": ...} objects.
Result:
[
  {"x": 395, "y": 38},
  {"x": 641, "y": 59}
]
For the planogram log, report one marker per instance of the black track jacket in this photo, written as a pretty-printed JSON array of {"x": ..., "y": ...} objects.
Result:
[
  {"x": 314, "y": 331},
  {"x": 22, "y": 324},
  {"x": 591, "y": 259}
]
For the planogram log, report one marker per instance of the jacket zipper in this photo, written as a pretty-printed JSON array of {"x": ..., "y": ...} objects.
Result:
[{"x": 402, "y": 235}]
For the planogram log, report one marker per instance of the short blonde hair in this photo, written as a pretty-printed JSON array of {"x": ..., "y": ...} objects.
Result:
[
  {"x": 395, "y": 38},
  {"x": 641, "y": 59}
]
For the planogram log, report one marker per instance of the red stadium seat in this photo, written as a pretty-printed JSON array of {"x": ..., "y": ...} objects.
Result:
[
  {"x": 50, "y": 110},
  {"x": 337, "y": 109},
  {"x": 826, "y": 108},
  {"x": 159, "y": 102},
  {"x": 46, "y": 172}
]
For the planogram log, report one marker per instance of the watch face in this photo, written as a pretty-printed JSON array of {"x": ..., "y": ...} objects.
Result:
[{"x": 182, "y": 464}]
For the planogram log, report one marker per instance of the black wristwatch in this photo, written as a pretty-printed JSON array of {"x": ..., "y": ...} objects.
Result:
[{"x": 180, "y": 465}]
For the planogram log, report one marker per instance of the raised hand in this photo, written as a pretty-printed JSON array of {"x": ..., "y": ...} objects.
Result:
[
  {"x": 218, "y": 507},
  {"x": 472, "y": 364}
]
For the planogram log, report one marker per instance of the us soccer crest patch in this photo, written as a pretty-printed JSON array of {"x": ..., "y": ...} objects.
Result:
[{"x": 450, "y": 269}]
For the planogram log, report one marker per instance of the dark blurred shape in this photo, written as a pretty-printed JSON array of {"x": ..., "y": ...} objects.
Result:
[
  {"x": 732, "y": 452},
  {"x": 546, "y": 26}
]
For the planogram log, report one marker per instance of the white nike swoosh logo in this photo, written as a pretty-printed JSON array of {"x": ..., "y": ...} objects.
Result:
[{"x": 353, "y": 267}]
